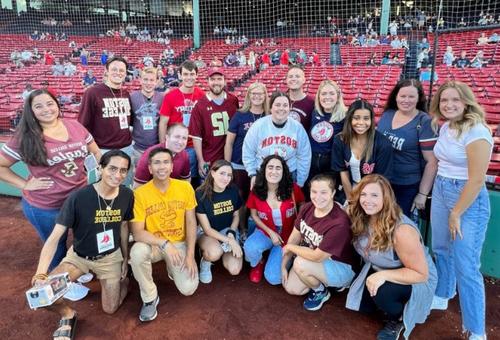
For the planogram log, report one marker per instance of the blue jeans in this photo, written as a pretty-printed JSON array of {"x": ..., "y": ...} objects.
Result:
[
  {"x": 43, "y": 220},
  {"x": 458, "y": 261},
  {"x": 254, "y": 246}
]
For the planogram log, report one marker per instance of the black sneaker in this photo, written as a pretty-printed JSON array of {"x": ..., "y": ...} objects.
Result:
[{"x": 391, "y": 331}]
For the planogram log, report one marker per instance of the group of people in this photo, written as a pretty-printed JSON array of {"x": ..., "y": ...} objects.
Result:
[{"x": 323, "y": 186}]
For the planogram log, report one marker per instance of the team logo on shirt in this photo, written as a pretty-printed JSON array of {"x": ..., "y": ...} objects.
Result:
[
  {"x": 294, "y": 115},
  {"x": 322, "y": 132},
  {"x": 368, "y": 168},
  {"x": 69, "y": 169}
]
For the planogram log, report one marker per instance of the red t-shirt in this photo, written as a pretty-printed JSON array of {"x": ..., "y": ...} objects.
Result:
[
  {"x": 66, "y": 169},
  {"x": 209, "y": 122},
  {"x": 178, "y": 106},
  {"x": 287, "y": 208},
  {"x": 181, "y": 168},
  {"x": 331, "y": 233},
  {"x": 266, "y": 59},
  {"x": 105, "y": 112},
  {"x": 284, "y": 60}
]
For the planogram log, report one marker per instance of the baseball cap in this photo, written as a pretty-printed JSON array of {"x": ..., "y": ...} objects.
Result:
[{"x": 216, "y": 70}]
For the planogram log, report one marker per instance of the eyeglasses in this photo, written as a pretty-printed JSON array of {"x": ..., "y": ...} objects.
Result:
[
  {"x": 114, "y": 170},
  {"x": 257, "y": 94}
]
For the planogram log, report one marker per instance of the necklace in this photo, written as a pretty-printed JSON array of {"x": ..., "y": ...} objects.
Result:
[
  {"x": 109, "y": 207},
  {"x": 113, "y": 92}
]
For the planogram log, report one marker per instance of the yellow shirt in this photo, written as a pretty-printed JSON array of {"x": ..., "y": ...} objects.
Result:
[{"x": 164, "y": 213}]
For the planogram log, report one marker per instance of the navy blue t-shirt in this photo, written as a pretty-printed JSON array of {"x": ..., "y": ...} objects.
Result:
[
  {"x": 221, "y": 208},
  {"x": 322, "y": 132},
  {"x": 239, "y": 125},
  {"x": 408, "y": 142}
]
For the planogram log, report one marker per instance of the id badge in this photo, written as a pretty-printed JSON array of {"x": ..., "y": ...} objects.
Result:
[
  {"x": 90, "y": 163},
  {"x": 123, "y": 122},
  {"x": 186, "y": 117},
  {"x": 147, "y": 123},
  {"x": 105, "y": 241}
]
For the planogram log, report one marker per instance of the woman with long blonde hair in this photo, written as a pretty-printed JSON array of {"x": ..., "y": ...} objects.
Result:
[
  {"x": 255, "y": 106},
  {"x": 327, "y": 120},
  {"x": 460, "y": 203},
  {"x": 398, "y": 276}
]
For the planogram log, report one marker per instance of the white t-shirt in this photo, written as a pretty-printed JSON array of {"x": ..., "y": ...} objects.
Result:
[
  {"x": 451, "y": 152},
  {"x": 354, "y": 165}
]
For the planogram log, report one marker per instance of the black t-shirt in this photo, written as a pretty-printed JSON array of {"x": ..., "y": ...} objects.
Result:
[
  {"x": 220, "y": 210},
  {"x": 81, "y": 213}
]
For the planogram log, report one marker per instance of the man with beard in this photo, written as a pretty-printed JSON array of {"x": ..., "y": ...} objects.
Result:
[
  {"x": 176, "y": 140},
  {"x": 146, "y": 104},
  {"x": 302, "y": 104},
  {"x": 177, "y": 106},
  {"x": 210, "y": 121}
]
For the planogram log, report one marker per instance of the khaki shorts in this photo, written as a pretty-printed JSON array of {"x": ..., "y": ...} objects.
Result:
[{"x": 108, "y": 267}]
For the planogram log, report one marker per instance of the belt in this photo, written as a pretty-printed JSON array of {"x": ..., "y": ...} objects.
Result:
[{"x": 95, "y": 258}]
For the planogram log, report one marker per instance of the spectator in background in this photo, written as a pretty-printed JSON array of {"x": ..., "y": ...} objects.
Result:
[
  {"x": 242, "y": 60},
  {"x": 200, "y": 63},
  {"x": 462, "y": 23},
  {"x": 463, "y": 61},
  {"x": 494, "y": 38},
  {"x": 252, "y": 60},
  {"x": 57, "y": 68},
  {"x": 396, "y": 43},
  {"x": 215, "y": 62},
  {"x": 393, "y": 28},
  {"x": 423, "y": 44},
  {"x": 89, "y": 79},
  {"x": 171, "y": 78},
  {"x": 483, "y": 39},
  {"x": 231, "y": 60},
  {"x": 371, "y": 60},
  {"x": 478, "y": 61},
  {"x": 148, "y": 60},
  {"x": 84, "y": 57},
  {"x": 69, "y": 69},
  {"x": 284, "y": 58},
  {"x": 48, "y": 57},
  {"x": 423, "y": 58},
  {"x": 104, "y": 57},
  {"x": 448, "y": 57},
  {"x": 27, "y": 90}
]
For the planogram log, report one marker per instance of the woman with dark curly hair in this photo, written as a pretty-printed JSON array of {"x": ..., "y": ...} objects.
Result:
[
  {"x": 273, "y": 205},
  {"x": 407, "y": 125},
  {"x": 399, "y": 276}
]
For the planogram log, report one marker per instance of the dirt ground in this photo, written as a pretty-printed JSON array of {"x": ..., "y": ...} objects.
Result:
[{"x": 228, "y": 308}]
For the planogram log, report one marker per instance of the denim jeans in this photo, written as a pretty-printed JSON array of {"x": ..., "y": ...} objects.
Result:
[
  {"x": 458, "y": 261},
  {"x": 254, "y": 246},
  {"x": 43, "y": 220}
]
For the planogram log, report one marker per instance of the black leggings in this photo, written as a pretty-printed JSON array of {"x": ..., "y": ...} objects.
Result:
[{"x": 391, "y": 299}]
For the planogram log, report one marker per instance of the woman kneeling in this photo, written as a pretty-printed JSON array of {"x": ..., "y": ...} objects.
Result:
[
  {"x": 217, "y": 212},
  {"x": 327, "y": 255},
  {"x": 399, "y": 276}
]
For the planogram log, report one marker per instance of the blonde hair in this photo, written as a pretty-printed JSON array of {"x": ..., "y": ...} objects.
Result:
[
  {"x": 247, "y": 104},
  {"x": 381, "y": 236},
  {"x": 150, "y": 70},
  {"x": 339, "y": 110},
  {"x": 473, "y": 112}
]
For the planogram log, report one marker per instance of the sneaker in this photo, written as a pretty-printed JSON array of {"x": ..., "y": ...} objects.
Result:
[
  {"x": 439, "y": 303},
  {"x": 257, "y": 272},
  {"x": 315, "y": 300},
  {"x": 85, "y": 278},
  {"x": 76, "y": 291},
  {"x": 148, "y": 310},
  {"x": 391, "y": 331},
  {"x": 205, "y": 272}
]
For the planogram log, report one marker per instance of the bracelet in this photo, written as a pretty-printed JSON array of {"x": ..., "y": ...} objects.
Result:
[
  {"x": 232, "y": 232},
  {"x": 422, "y": 194}
]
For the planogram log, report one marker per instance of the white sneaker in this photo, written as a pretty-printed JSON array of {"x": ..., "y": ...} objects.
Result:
[
  {"x": 76, "y": 291},
  {"x": 205, "y": 272},
  {"x": 439, "y": 303},
  {"x": 85, "y": 278},
  {"x": 473, "y": 336}
]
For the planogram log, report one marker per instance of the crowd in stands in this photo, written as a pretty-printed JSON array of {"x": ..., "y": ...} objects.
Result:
[{"x": 318, "y": 180}]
